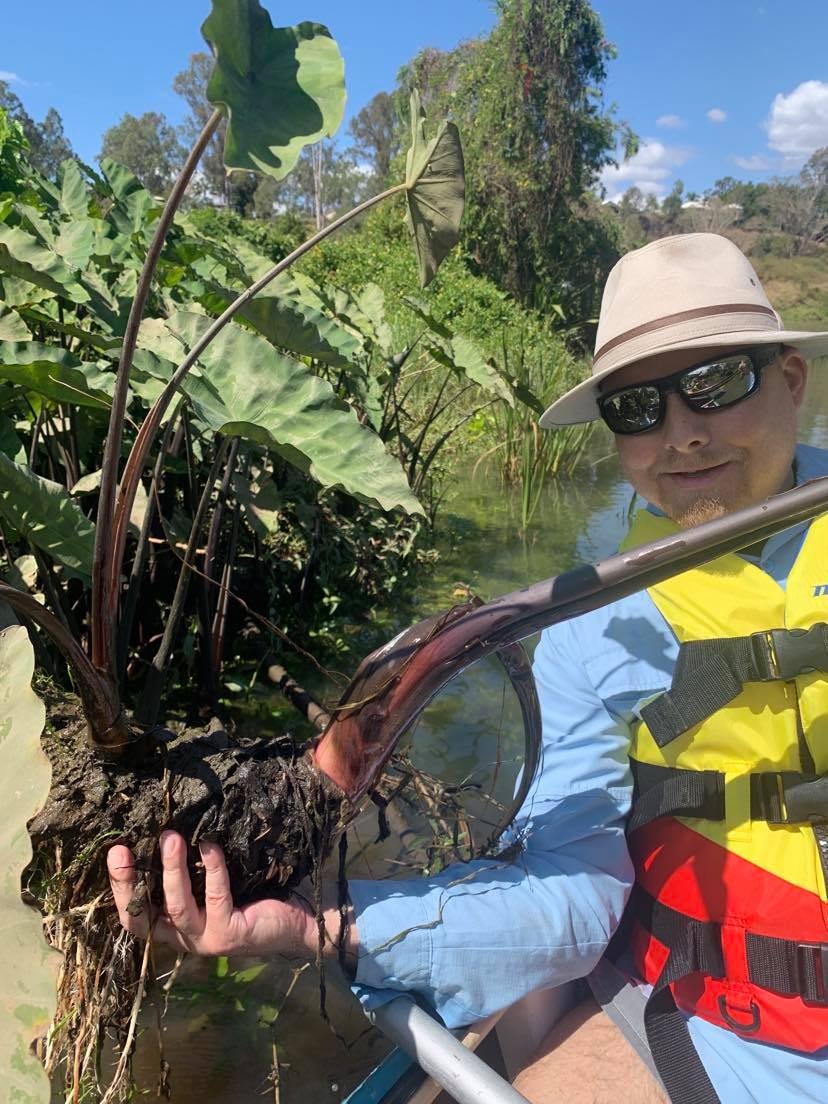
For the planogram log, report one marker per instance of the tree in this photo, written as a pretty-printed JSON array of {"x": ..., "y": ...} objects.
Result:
[
  {"x": 324, "y": 182},
  {"x": 671, "y": 205},
  {"x": 535, "y": 135},
  {"x": 236, "y": 190},
  {"x": 148, "y": 146},
  {"x": 375, "y": 133},
  {"x": 48, "y": 145}
]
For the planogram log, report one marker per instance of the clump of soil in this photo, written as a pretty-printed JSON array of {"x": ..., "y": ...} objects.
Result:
[{"x": 273, "y": 814}]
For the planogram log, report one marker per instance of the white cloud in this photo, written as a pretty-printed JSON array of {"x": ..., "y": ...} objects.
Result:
[
  {"x": 671, "y": 122},
  {"x": 754, "y": 163},
  {"x": 716, "y": 115},
  {"x": 798, "y": 123},
  {"x": 10, "y": 78},
  {"x": 648, "y": 170}
]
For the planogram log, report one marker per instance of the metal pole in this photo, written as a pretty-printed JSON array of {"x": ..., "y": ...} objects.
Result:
[{"x": 464, "y": 1076}]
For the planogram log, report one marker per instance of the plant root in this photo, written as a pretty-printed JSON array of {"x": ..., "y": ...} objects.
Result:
[{"x": 274, "y": 815}]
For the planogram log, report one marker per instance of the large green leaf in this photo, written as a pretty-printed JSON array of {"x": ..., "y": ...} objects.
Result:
[
  {"x": 74, "y": 193},
  {"x": 44, "y": 513},
  {"x": 75, "y": 243},
  {"x": 435, "y": 190},
  {"x": 290, "y": 324},
  {"x": 12, "y": 326},
  {"x": 56, "y": 373},
  {"x": 132, "y": 198},
  {"x": 21, "y": 256},
  {"x": 247, "y": 389},
  {"x": 28, "y": 969},
  {"x": 282, "y": 87}
]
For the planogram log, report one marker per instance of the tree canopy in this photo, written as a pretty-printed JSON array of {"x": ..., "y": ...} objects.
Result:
[
  {"x": 149, "y": 147},
  {"x": 48, "y": 145},
  {"x": 536, "y": 135}
]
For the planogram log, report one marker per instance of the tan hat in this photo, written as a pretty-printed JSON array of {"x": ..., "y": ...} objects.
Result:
[{"x": 691, "y": 291}]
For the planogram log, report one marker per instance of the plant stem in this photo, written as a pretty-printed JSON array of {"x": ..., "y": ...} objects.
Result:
[
  {"x": 103, "y": 614},
  {"x": 141, "y": 552},
  {"x": 143, "y": 441},
  {"x": 209, "y": 577},
  {"x": 107, "y": 728},
  {"x": 147, "y": 709}
]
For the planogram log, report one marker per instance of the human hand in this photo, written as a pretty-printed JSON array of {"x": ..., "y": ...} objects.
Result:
[{"x": 218, "y": 928}]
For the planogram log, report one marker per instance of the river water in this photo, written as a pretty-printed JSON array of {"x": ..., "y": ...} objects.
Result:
[{"x": 222, "y": 1033}]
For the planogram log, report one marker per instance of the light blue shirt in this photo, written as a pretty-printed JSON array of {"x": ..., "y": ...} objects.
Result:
[{"x": 480, "y": 935}]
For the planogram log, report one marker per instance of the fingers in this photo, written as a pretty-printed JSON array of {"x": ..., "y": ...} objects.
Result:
[
  {"x": 179, "y": 903},
  {"x": 218, "y": 899},
  {"x": 120, "y": 864}
]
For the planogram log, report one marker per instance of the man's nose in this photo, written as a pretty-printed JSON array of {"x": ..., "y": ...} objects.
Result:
[{"x": 684, "y": 429}]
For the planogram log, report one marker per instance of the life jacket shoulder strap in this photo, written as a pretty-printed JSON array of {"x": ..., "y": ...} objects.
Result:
[{"x": 709, "y": 674}]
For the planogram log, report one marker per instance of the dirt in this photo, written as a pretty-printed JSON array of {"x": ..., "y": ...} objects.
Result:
[{"x": 275, "y": 817}]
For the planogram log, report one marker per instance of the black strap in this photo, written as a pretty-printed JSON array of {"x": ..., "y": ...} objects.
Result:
[
  {"x": 778, "y": 797},
  {"x": 709, "y": 674},
  {"x": 672, "y": 791},
  {"x": 780, "y": 965},
  {"x": 694, "y": 948}
]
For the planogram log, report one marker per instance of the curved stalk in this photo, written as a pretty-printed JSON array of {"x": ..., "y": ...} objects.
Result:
[
  {"x": 146, "y": 434},
  {"x": 103, "y": 644},
  {"x": 107, "y": 727},
  {"x": 394, "y": 684}
]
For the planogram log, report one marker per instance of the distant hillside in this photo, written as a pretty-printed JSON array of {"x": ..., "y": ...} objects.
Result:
[{"x": 797, "y": 287}]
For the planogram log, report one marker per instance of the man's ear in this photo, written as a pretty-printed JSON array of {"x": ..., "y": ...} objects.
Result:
[{"x": 795, "y": 372}]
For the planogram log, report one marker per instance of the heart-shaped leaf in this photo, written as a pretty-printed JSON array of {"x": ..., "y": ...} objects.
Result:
[
  {"x": 283, "y": 87},
  {"x": 247, "y": 389},
  {"x": 435, "y": 191}
]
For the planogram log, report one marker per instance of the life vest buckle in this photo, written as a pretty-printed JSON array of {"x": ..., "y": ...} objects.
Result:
[
  {"x": 798, "y": 651},
  {"x": 812, "y": 972}
]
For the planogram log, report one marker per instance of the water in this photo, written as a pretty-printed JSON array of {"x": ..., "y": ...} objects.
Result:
[{"x": 217, "y": 1039}]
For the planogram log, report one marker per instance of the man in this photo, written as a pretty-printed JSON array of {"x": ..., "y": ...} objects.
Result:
[{"x": 700, "y": 384}]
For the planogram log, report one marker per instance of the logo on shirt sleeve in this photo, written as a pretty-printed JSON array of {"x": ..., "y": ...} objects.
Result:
[{"x": 821, "y": 590}]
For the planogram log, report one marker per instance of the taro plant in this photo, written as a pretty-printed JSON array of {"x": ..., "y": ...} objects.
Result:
[{"x": 217, "y": 376}]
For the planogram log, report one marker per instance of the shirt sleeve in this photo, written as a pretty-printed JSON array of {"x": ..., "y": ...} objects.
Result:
[{"x": 480, "y": 935}]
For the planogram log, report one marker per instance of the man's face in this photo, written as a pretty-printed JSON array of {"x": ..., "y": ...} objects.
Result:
[{"x": 697, "y": 466}]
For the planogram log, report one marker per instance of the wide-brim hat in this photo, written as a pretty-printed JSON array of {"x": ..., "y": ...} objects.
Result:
[{"x": 690, "y": 291}]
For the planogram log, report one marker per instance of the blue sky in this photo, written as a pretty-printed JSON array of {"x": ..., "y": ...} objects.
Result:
[{"x": 719, "y": 87}]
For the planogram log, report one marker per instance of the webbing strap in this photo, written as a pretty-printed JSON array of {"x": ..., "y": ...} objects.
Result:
[
  {"x": 693, "y": 949},
  {"x": 709, "y": 674},
  {"x": 673, "y": 791},
  {"x": 778, "y": 797},
  {"x": 780, "y": 965}
]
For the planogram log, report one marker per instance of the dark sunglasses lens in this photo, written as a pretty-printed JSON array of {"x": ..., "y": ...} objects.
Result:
[
  {"x": 726, "y": 381},
  {"x": 632, "y": 411}
]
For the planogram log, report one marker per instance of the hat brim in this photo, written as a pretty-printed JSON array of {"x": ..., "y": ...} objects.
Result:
[{"x": 580, "y": 404}]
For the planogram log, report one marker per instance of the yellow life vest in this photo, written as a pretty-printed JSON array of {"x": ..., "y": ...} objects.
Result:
[{"x": 729, "y": 825}]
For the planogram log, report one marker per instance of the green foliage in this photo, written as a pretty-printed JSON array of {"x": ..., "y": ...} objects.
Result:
[
  {"x": 48, "y": 146},
  {"x": 282, "y": 87},
  {"x": 278, "y": 403},
  {"x": 273, "y": 238},
  {"x": 374, "y": 131},
  {"x": 527, "y": 102},
  {"x": 149, "y": 148},
  {"x": 435, "y": 190}
]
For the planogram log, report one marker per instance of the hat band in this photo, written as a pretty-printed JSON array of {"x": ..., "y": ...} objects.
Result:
[{"x": 682, "y": 316}]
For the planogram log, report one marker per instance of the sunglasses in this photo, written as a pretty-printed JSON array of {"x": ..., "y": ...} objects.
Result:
[{"x": 714, "y": 385}]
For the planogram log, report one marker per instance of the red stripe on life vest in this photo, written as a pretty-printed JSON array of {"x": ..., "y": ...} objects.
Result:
[{"x": 688, "y": 872}]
